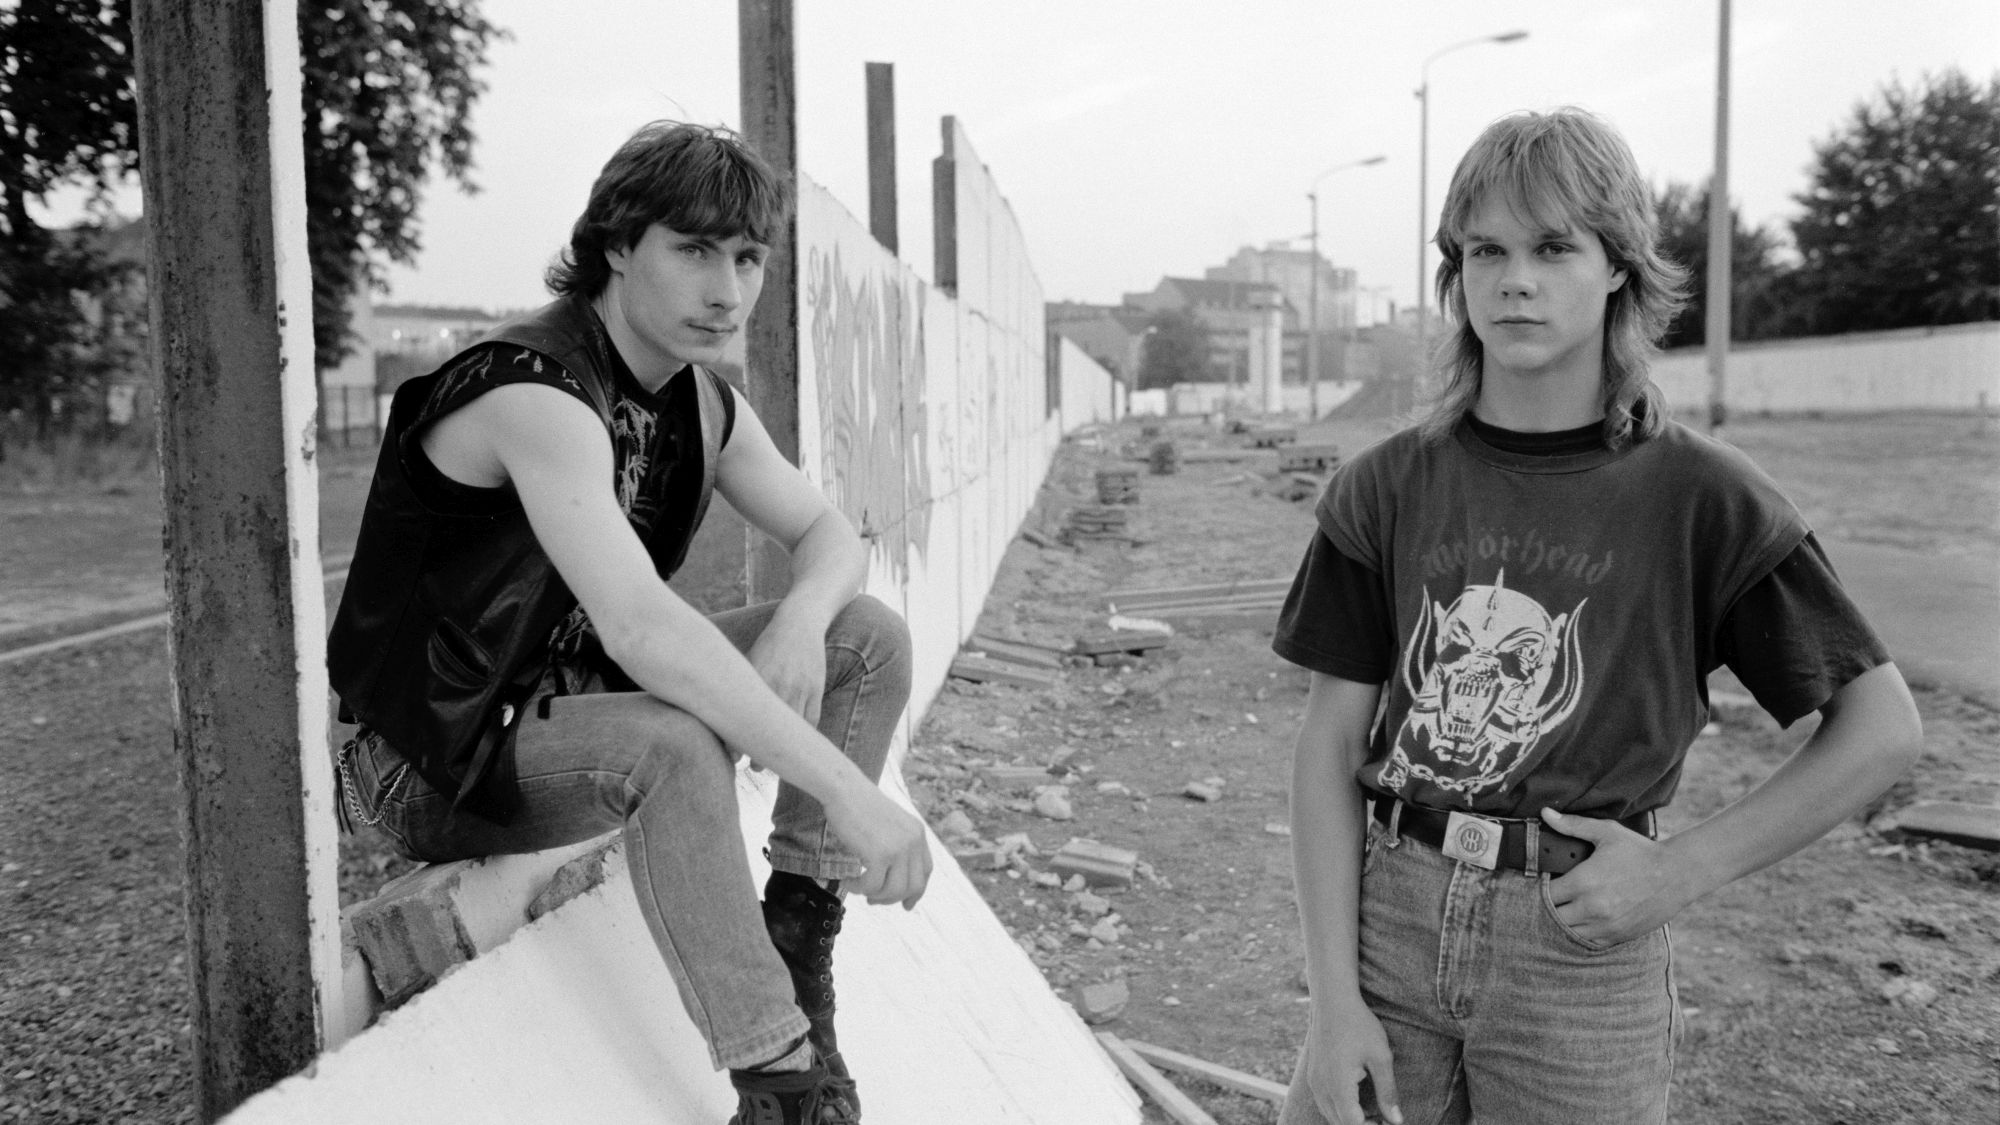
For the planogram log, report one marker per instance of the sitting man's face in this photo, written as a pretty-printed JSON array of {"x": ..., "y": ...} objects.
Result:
[{"x": 685, "y": 297}]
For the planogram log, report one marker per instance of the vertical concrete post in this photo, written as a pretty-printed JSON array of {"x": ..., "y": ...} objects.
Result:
[
  {"x": 882, "y": 153},
  {"x": 769, "y": 93},
  {"x": 944, "y": 212},
  {"x": 231, "y": 309}
]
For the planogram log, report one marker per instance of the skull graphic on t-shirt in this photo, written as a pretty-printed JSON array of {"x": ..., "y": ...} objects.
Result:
[{"x": 1489, "y": 675}]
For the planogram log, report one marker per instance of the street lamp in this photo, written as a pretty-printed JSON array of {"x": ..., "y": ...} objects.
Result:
[
  {"x": 1423, "y": 176},
  {"x": 1312, "y": 333}
]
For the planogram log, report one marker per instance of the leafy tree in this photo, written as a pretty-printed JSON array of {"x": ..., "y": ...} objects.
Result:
[
  {"x": 67, "y": 115},
  {"x": 1902, "y": 218},
  {"x": 1754, "y": 272},
  {"x": 1175, "y": 351},
  {"x": 389, "y": 90}
]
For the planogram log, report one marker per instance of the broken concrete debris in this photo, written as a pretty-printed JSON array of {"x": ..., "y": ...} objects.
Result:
[
  {"x": 1014, "y": 778},
  {"x": 1138, "y": 642},
  {"x": 1098, "y": 865},
  {"x": 1102, "y": 1003},
  {"x": 1165, "y": 459},
  {"x": 1052, "y": 801},
  {"x": 980, "y": 669},
  {"x": 1117, "y": 485},
  {"x": 1318, "y": 458},
  {"x": 1202, "y": 791}
]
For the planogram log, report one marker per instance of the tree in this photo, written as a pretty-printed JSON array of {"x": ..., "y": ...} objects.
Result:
[
  {"x": 1754, "y": 272},
  {"x": 67, "y": 115},
  {"x": 1175, "y": 350},
  {"x": 389, "y": 90},
  {"x": 1902, "y": 218}
]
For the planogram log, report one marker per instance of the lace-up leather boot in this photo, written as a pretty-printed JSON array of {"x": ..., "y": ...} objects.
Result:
[
  {"x": 803, "y": 920},
  {"x": 799, "y": 1097}
]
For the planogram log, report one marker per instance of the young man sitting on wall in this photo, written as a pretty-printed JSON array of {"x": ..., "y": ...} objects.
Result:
[{"x": 523, "y": 676}]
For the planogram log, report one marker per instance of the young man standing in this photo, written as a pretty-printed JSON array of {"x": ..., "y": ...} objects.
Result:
[
  {"x": 523, "y": 676},
  {"x": 1511, "y": 611}
]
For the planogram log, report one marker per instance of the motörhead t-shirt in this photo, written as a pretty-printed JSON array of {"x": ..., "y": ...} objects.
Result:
[{"x": 1553, "y": 617}]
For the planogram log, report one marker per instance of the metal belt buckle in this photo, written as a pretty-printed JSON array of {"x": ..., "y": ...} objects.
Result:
[{"x": 1471, "y": 839}]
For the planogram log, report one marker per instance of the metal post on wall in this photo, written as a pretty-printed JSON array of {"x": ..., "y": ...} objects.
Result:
[
  {"x": 769, "y": 92},
  {"x": 231, "y": 312},
  {"x": 882, "y": 153}
]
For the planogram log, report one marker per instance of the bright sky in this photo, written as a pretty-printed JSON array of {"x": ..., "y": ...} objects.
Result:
[{"x": 1136, "y": 138}]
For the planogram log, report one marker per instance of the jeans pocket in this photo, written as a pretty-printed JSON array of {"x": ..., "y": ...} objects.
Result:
[{"x": 373, "y": 780}]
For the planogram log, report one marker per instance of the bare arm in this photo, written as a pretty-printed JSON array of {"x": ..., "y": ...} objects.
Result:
[
  {"x": 556, "y": 454},
  {"x": 1344, "y": 1041},
  {"x": 1869, "y": 734},
  {"x": 829, "y": 561}
]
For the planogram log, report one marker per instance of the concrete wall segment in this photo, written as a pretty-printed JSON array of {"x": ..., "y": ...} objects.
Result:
[{"x": 1954, "y": 367}]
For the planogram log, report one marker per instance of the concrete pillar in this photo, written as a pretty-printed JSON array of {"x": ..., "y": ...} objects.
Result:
[
  {"x": 1267, "y": 355},
  {"x": 769, "y": 92},
  {"x": 231, "y": 310}
]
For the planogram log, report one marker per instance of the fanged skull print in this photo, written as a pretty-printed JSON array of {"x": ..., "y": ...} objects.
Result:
[{"x": 1489, "y": 676}]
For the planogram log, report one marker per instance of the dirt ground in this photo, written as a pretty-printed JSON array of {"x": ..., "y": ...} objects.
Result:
[{"x": 1786, "y": 975}]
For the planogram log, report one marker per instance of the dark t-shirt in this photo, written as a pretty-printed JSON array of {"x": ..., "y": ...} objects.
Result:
[
  {"x": 653, "y": 436},
  {"x": 1545, "y": 612}
]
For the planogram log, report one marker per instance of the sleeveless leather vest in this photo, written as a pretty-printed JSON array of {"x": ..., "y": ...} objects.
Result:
[{"x": 444, "y": 626}]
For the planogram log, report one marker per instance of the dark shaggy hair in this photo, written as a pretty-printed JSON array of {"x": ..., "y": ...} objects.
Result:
[
  {"x": 1555, "y": 169},
  {"x": 695, "y": 179}
]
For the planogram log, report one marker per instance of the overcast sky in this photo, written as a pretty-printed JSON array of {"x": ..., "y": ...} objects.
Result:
[{"x": 1136, "y": 138}]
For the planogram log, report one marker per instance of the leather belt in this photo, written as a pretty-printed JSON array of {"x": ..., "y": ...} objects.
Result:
[{"x": 1555, "y": 853}]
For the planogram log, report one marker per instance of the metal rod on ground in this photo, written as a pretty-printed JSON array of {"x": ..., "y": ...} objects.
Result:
[
  {"x": 1226, "y": 1077},
  {"x": 231, "y": 310}
]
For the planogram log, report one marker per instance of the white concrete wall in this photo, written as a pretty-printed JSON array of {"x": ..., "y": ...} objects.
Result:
[
  {"x": 1956, "y": 367},
  {"x": 1090, "y": 393}
]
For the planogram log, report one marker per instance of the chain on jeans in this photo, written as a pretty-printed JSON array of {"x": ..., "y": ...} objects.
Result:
[{"x": 347, "y": 786}]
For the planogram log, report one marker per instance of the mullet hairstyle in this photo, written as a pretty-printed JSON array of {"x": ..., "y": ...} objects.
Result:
[
  {"x": 697, "y": 180},
  {"x": 1564, "y": 168}
]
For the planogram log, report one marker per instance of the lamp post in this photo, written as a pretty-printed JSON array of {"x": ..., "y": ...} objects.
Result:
[
  {"x": 1423, "y": 175},
  {"x": 1312, "y": 311}
]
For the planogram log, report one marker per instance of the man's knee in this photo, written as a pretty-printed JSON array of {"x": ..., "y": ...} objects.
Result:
[{"x": 873, "y": 631}]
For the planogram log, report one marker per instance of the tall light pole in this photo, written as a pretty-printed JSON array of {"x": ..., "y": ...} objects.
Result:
[
  {"x": 1719, "y": 233},
  {"x": 1312, "y": 333},
  {"x": 1423, "y": 178}
]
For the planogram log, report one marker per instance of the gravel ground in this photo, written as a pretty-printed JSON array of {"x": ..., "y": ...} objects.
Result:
[{"x": 94, "y": 1009}]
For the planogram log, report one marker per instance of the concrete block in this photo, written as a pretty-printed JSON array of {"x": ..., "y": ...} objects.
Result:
[
  {"x": 410, "y": 933},
  {"x": 1098, "y": 865},
  {"x": 1968, "y": 825},
  {"x": 1102, "y": 1003}
]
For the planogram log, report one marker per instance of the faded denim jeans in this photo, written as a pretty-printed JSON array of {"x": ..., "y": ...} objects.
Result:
[
  {"x": 605, "y": 760},
  {"x": 1495, "y": 1010}
]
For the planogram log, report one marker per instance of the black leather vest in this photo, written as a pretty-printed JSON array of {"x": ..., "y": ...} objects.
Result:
[{"x": 444, "y": 625}]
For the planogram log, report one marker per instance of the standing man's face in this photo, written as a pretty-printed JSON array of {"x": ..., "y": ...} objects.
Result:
[
  {"x": 681, "y": 298},
  {"x": 1536, "y": 298}
]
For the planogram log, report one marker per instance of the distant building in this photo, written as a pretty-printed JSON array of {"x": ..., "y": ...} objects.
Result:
[
  {"x": 1113, "y": 335},
  {"x": 1235, "y": 315},
  {"x": 1292, "y": 272}
]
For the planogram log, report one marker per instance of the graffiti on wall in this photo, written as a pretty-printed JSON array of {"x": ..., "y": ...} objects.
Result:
[{"x": 866, "y": 335}]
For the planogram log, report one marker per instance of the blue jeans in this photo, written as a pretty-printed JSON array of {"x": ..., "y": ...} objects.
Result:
[
  {"x": 1495, "y": 1010},
  {"x": 606, "y": 760}
]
